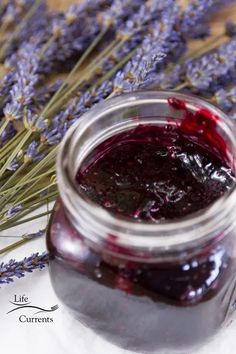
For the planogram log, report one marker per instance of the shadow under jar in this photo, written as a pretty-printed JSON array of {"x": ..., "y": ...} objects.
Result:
[{"x": 142, "y": 240}]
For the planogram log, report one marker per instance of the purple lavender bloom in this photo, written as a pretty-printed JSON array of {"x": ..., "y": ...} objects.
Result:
[
  {"x": 213, "y": 70},
  {"x": 12, "y": 269},
  {"x": 25, "y": 79},
  {"x": 12, "y": 111},
  {"x": 32, "y": 153},
  {"x": 35, "y": 27},
  {"x": 72, "y": 33},
  {"x": 173, "y": 78},
  {"x": 14, "y": 11},
  {"x": 13, "y": 166},
  {"x": 35, "y": 122},
  {"x": 6, "y": 83},
  {"x": 163, "y": 44},
  {"x": 7, "y": 134},
  {"x": 226, "y": 99},
  {"x": 11, "y": 212},
  {"x": 138, "y": 23},
  {"x": 119, "y": 12},
  {"x": 230, "y": 29},
  {"x": 43, "y": 96},
  {"x": 53, "y": 136},
  {"x": 197, "y": 13},
  {"x": 34, "y": 235}
]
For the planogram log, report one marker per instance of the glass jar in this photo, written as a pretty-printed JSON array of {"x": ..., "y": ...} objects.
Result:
[{"x": 143, "y": 286}]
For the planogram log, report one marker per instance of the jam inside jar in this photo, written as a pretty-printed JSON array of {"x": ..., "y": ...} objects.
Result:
[{"x": 142, "y": 238}]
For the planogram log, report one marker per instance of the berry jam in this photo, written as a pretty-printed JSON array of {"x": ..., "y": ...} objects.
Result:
[
  {"x": 150, "y": 173},
  {"x": 154, "y": 173}
]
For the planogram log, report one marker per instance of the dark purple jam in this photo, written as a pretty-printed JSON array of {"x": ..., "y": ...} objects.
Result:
[
  {"x": 150, "y": 173},
  {"x": 153, "y": 173}
]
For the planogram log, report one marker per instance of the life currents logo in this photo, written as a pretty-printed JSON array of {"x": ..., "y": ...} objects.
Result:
[{"x": 30, "y": 313}]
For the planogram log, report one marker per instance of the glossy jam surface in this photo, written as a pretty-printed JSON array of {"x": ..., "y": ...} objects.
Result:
[{"x": 153, "y": 173}]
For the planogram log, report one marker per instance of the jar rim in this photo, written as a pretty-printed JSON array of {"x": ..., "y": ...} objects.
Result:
[{"x": 130, "y": 232}]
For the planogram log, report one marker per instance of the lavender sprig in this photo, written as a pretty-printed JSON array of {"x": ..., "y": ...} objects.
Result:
[
  {"x": 163, "y": 44},
  {"x": 13, "y": 12},
  {"x": 197, "y": 14},
  {"x": 213, "y": 70},
  {"x": 18, "y": 269},
  {"x": 230, "y": 29},
  {"x": 34, "y": 29},
  {"x": 226, "y": 99},
  {"x": 25, "y": 78},
  {"x": 134, "y": 29},
  {"x": 71, "y": 33}
]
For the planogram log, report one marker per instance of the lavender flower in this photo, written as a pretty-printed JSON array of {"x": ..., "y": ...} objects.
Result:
[
  {"x": 14, "y": 11},
  {"x": 13, "y": 211},
  {"x": 197, "y": 13},
  {"x": 163, "y": 45},
  {"x": 119, "y": 11},
  {"x": 7, "y": 134},
  {"x": 43, "y": 95},
  {"x": 134, "y": 28},
  {"x": 6, "y": 83},
  {"x": 230, "y": 29},
  {"x": 139, "y": 72},
  {"x": 34, "y": 122},
  {"x": 13, "y": 166},
  {"x": 226, "y": 99},
  {"x": 173, "y": 78},
  {"x": 34, "y": 235},
  {"x": 14, "y": 269},
  {"x": 25, "y": 78},
  {"x": 213, "y": 70},
  {"x": 32, "y": 154},
  {"x": 72, "y": 33},
  {"x": 13, "y": 15}
]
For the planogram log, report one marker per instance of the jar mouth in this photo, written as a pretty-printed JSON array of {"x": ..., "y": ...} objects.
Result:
[{"x": 165, "y": 234}]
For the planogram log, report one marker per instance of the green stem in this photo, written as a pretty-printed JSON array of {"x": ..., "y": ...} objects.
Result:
[
  {"x": 40, "y": 165},
  {"x": 4, "y": 126},
  {"x": 14, "y": 245},
  {"x": 15, "y": 174},
  {"x": 181, "y": 86},
  {"x": 13, "y": 188},
  {"x": 21, "y": 201},
  {"x": 19, "y": 27},
  {"x": 34, "y": 171},
  {"x": 17, "y": 223}
]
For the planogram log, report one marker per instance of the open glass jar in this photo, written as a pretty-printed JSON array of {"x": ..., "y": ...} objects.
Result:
[{"x": 144, "y": 286}]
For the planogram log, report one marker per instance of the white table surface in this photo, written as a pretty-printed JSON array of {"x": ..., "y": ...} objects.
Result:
[{"x": 65, "y": 335}]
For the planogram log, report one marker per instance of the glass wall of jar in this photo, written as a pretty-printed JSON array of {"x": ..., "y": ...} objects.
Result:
[{"x": 144, "y": 286}]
